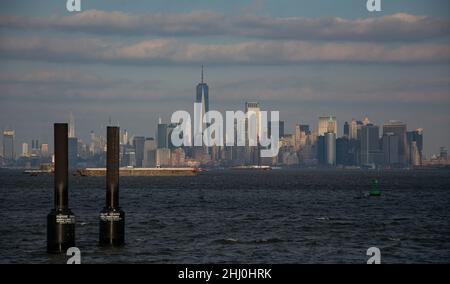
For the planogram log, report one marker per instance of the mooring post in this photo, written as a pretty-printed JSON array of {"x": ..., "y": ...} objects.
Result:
[
  {"x": 61, "y": 220},
  {"x": 112, "y": 218}
]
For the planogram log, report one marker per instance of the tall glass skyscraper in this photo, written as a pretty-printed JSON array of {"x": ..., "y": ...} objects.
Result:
[
  {"x": 203, "y": 95},
  {"x": 399, "y": 129},
  {"x": 370, "y": 144},
  {"x": 161, "y": 135}
]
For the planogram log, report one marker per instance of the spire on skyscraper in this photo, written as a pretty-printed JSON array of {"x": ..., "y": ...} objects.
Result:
[{"x": 202, "y": 73}]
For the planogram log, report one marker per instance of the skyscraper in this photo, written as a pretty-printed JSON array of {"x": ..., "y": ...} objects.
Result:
[
  {"x": 161, "y": 135},
  {"x": 321, "y": 150},
  {"x": 44, "y": 150},
  {"x": 203, "y": 97},
  {"x": 370, "y": 144},
  {"x": 8, "y": 145},
  {"x": 25, "y": 152},
  {"x": 300, "y": 135},
  {"x": 125, "y": 137},
  {"x": 342, "y": 151},
  {"x": 149, "y": 152},
  {"x": 399, "y": 129},
  {"x": 327, "y": 124},
  {"x": 330, "y": 148},
  {"x": 415, "y": 146},
  {"x": 73, "y": 151},
  {"x": 253, "y": 107},
  {"x": 366, "y": 120},
  {"x": 297, "y": 137},
  {"x": 390, "y": 148},
  {"x": 415, "y": 159},
  {"x": 353, "y": 129},
  {"x": 138, "y": 144},
  {"x": 346, "y": 129}
]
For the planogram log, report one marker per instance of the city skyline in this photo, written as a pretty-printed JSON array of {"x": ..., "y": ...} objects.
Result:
[
  {"x": 202, "y": 96},
  {"x": 140, "y": 62}
]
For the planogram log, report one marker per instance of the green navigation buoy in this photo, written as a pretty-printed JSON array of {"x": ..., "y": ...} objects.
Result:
[{"x": 375, "y": 188}]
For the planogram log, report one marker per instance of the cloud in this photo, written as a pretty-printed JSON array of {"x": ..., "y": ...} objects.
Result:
[
  {"x": 102, "y": 22},
  {"x": 65, "y": 77},
  {"x": 175, "y": 51},
  {"x": 396, "y": 27}
]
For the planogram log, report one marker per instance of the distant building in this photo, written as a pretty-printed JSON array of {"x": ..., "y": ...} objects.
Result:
[
  {"x": 370, "y": 144},
  {"x": 129, "y": 157},
  {"x": 44, "y": 150},
  {"x": 73, "y": 152},
  {"x": 399, "y": 129},
  {"x": 353, "y": 129},
  {"x": 415, "y": 146},
  {"x": 25, "y": 152},
  {"x": 415, "y": 157},
  {"x": 178, "y": 158},
  {"x": 390, "y": 149},
  {"x": 202, "y": 97},
  {"x": 138, "y": 144},
  {"x": 35, "y": 148},
  {"x": 253, "y": 107},
  {"x": 163, "y": 157},
  {"x": 346, "y": 130},
  {"x": 297, "y": 137},
  {"x": 8, "y": 146},
  {"x": 124, "y": 137},
  {"x": 289, "y": 158},
  {"x": 321, "y": 150},
  {"x": 366, "y": 121},
  {"x": 327, "y": 124},
  {"x": 342, "y": 151},
  {"x": 161, "y": 136},
  {"x": 35, "y": 144},
  {"x": 330, "y": 148},
  {"x": 149, "y": 153}
]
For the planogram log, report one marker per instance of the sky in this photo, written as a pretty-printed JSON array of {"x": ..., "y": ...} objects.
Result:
[{"x": 136, "y": 61}]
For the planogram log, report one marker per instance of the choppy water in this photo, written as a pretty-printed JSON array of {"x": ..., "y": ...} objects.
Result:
[{"x": 240, "y": 216}]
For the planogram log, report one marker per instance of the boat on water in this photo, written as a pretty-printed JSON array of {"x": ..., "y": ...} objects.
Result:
[
  {"x": 252, "y": 167},
  {"x": 126, "y": 171}
]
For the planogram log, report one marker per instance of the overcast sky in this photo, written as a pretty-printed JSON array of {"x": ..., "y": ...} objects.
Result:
[{"x": 138, "y": 60}]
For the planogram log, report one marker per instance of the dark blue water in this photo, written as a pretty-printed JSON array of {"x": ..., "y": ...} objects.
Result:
[{"x": 240, "y": 217}]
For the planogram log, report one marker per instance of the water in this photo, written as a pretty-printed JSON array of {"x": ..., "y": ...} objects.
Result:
[{"x": 274, "y": 216}]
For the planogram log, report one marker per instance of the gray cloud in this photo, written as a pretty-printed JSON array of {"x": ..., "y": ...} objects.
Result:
[
  {"x": 102, "y": 22},
  {"x": 174, "y": 51},
  {"x": 52, "y": 85},
  {"x": 396, "y": 27},
  {"x": 60, "y": 77}
]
